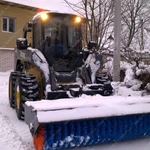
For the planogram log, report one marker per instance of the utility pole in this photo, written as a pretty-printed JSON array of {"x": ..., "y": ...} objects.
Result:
[
  {"x": 117, "y": 37},
  {"x": 142, "y": 36}
]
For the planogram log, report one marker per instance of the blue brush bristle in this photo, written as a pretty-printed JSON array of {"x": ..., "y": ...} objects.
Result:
[{"x": 81, "y": 133}]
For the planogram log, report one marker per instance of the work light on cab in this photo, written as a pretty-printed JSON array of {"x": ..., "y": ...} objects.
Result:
[
  {"x": 44, "y": 16},
  {"x": 77, "y": 19}
]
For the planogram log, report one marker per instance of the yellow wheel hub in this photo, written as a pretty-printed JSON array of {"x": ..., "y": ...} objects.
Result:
[
  {"x": 10, "y": 90},
  {"x": 18, "y": 97}
]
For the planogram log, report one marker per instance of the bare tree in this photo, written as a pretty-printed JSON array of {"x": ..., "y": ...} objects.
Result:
[
  {"x": 99, "y": 14},
  {"x": 135, "y": 13}
]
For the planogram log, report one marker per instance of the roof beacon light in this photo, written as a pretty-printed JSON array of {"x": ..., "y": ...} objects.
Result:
[
  {"x": 77, "y": 19},
  {"x": 44, "y": 16}
]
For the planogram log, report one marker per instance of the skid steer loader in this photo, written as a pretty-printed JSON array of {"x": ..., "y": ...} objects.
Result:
[
  {"x": 52, "y": 70},
  {"x": 55, "y": 83}
]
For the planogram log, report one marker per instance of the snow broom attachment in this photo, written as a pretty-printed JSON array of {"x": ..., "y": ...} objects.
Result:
[{"x": 79, "y": 122}]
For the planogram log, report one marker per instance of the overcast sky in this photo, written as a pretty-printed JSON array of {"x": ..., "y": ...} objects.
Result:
[{"x": 55, "y": 5}]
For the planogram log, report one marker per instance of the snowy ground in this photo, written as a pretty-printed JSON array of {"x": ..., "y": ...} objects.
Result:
[{"x": 15, "y": 135}]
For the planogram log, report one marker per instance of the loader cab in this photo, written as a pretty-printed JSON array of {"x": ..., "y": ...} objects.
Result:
[
  {"x": 69, "y": 35},
  {"x": 67, "y": 25}
]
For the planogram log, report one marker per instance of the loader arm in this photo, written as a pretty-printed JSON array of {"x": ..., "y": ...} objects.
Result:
[{"x": 36, "y": 59}]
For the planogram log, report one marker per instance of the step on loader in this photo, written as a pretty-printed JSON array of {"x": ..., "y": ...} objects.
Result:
[{"x": 51, "y": 77}]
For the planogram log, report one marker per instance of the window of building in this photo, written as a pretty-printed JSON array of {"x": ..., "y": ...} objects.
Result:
[{"x": 8, "y": 24}]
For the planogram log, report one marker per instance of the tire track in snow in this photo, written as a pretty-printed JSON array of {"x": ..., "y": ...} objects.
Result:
[
  {"x": 10, "y": 136},
  {"x": 14, "y": 134},
  {"x": 11, "y": 129}
]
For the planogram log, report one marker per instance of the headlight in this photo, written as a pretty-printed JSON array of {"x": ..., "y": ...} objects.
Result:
[
  {"x": 44, "y": 16},
  {"x": 78, "y": 19}
]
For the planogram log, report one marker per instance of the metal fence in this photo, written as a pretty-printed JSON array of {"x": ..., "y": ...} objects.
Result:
[{"x": 6, "y": 59}]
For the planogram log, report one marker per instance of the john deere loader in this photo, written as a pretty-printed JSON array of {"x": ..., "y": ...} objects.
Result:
[{"x": 58, "y": 89}]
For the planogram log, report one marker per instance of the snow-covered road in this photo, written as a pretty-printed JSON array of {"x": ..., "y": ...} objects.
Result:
[{"x": 15, "y": 135}]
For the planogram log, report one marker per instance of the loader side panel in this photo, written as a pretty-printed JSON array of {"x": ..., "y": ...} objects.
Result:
[{"x": 21, "y": 55}]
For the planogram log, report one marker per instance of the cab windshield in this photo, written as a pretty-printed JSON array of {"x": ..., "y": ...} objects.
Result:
[
  {"x": 63, "y": 42},
  {"x": 63, "y": 31}
]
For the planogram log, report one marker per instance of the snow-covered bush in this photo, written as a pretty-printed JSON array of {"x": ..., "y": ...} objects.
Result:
[
  {"x": 136, "y": 78},
  {"x": 143, "y": 74},
  {"x": 108, "y": 67},
  {"x": 124, "y": 66},
  {"x": 131, "y": 81}
]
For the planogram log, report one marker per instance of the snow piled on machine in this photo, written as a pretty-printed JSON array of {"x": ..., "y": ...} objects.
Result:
[
  {"x": 94, "y": 64},
  {"x": 89, "y": 107},
  {"x": 41, "y": 62}
]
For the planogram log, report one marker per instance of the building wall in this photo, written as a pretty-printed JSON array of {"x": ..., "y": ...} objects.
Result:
[{"x": 22, "y": 16}]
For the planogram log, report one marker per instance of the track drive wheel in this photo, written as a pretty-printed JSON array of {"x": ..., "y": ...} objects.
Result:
[
  {"x": 26, "y": 89},
  {"x": 12, "y": 80}
]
